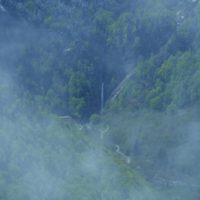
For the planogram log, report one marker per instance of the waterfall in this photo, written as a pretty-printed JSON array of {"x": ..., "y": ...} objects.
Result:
[{"x": 102, "y": 97}]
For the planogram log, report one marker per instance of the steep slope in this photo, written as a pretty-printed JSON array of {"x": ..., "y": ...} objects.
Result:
[
  {"x": 71, "y": 47},
  {"x": 168, "y": 79},
  {"x": 42, "y": 158},
  {"x": 56, "y": 55},
  {"x": 164, "y": 147}
]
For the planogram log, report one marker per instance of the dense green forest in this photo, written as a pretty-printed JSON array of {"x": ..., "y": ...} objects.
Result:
[
  {"x": 69, "y": 48},
  {"x": 99, "y": 99}
]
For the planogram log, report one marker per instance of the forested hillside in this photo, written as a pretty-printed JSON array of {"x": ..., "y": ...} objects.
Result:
[
  {"x": 100, "y": 98},
  {"x": 67, "y": 49}
]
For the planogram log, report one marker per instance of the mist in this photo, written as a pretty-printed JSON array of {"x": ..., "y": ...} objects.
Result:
[
  {"x": 44, "y": 157},
  {"x": 99, "y": 100}
]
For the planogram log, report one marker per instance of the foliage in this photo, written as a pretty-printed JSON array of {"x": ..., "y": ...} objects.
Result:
[
  {"x": 85, "y": 44},
  {"x": 48, "y": 158},
  {"x": 56, "y": 55}
]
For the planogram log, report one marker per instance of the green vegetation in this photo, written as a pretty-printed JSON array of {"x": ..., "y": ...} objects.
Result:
[
  {"x": 54, "y": 58},
  {"x": 47, "y": 158},
  {"x": 77, "y": 46}
]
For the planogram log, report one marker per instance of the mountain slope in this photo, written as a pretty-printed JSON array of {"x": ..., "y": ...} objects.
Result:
[{"x": 43, "y": 158}]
